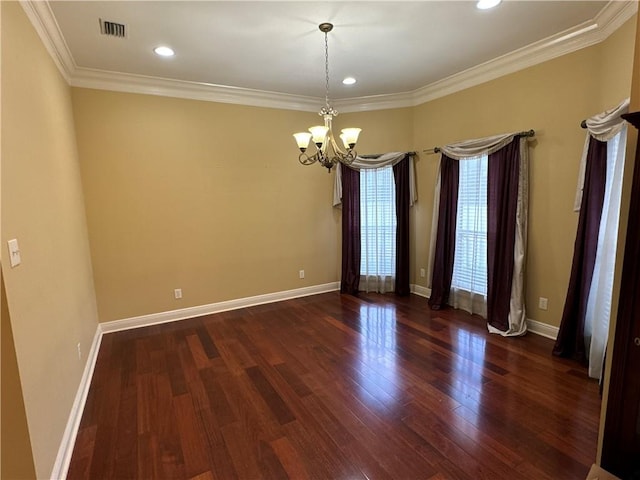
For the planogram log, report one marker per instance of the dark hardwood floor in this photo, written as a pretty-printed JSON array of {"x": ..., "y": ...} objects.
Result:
[{"x": 335, "y": 387}]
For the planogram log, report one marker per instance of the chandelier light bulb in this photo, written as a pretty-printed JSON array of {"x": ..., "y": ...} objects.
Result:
[
  {"x": 318, "y": 134},
  {"x": 344, "y": 141},
  {"x": 302, "y": 139},
  {"x": 350, "y": 137}
]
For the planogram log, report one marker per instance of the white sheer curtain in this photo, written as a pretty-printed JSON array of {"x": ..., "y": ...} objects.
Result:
[{"x": 607, "y": 127}]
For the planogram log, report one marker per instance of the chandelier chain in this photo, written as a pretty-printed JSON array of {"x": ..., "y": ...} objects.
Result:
[{"x": 326, "y": 67}]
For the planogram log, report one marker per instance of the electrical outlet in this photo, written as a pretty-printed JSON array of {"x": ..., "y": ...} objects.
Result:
[
  {"x": 301, "y": 273},
  {"x": 177, "y": 293},
  {"x": 79, "y": 352},
  {"x": 422, "y": 272},
  {"x": 543, "y": 303}
]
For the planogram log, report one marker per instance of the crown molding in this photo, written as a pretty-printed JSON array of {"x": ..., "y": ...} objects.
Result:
[
  {"x": 591, "y": 32},
  {"x": 614, "y": 15},
  {"x": 45, "y": 24},
  {"x": 131, "y": 83},
  {"x": 374, "y": 102}
]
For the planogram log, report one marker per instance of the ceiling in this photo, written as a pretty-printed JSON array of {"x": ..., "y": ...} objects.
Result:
[{"x": 397, "y": 50}]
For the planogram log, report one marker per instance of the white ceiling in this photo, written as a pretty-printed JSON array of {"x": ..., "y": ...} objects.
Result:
[{"x": 274, "y": 49}]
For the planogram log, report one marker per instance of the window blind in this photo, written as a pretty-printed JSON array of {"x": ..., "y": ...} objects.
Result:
[
  {"x": 470, "y": 262},
  {"x": 378, "y": 222}
]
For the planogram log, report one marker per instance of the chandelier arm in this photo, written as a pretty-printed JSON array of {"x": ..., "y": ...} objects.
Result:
[
  {"x": 305, "y": 159},
  {"x": 338, "y": 151},
  {"x": 350, "y": 157}
]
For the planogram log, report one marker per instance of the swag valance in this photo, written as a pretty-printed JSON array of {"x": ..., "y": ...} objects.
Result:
[
  {"x": 603, "y": 126},
  {"x": 375, "y": 161},
  {"x": 478, "y": 146}
]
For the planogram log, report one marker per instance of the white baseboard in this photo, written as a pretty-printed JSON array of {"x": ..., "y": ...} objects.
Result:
[
  {"x": 63, "y": 459},
  {"x": 198, "y": 311},
  {"x": 542, "y": 329},
  {"x": 421, "y": 291}
]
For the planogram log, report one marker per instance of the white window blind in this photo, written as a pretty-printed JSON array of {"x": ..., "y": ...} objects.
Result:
[
  {"x": 378, "y": 223},
  {"x": 470, "y": 262}
]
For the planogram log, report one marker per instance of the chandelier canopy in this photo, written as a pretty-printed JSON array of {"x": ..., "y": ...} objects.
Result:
[{"x": 328, "y": 153}]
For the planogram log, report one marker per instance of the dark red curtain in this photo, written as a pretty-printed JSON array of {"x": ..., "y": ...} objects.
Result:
[
  {"x": 446, "y": 235},
  {"x": 502, "y": 202},
  {"x": 350, "y": 231},
  {"x": 570, "y": 340},
  {"x": 403, "y": 200}
]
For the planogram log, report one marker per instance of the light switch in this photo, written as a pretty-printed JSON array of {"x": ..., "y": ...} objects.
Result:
[{"x": 14, "y": 253}]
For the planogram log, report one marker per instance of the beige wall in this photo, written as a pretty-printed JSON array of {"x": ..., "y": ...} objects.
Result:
[
  {"x": 50, "y": 296},
  {"x": 551, "y": 98},
  {"x": 16, "y": 457},
  {"x": 382, "y": 130},
  {"x": 616, "y": 64},
  {"x": 205, "y": 197},
  {"x": 635, "y": 82}
]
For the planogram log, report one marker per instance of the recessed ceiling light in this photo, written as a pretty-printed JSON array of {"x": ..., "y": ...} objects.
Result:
[
  {"x": 349, "y": 81},
  {"x": 486, "y": 4},
  {"x": 164, "y": 51}
]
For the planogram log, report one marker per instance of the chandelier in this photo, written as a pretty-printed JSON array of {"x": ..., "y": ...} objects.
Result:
[{"x": 328, "y": 153}]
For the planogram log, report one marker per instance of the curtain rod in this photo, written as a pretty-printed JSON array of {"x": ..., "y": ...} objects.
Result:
[
  {"x": 583, "y": 124},
  {"x": 375, "y": 155},
  {"x": 526, "y": 133}
]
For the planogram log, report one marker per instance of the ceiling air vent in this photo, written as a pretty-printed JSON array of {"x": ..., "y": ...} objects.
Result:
[{"x": 112, "y": 29}]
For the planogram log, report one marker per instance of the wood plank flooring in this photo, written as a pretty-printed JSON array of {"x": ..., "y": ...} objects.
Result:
[{"x": 335, "y": 387}]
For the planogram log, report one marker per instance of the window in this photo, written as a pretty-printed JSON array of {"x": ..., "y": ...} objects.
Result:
[
  {"x": 470, "y": 262},
  {"x": 377, "y": 222}
]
